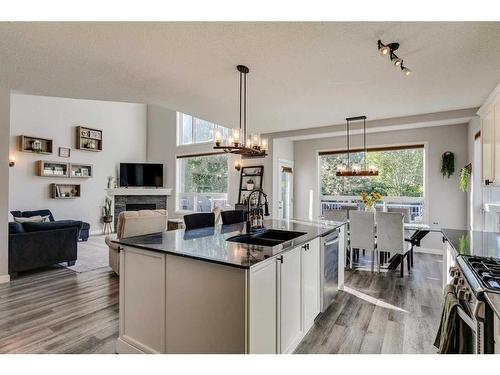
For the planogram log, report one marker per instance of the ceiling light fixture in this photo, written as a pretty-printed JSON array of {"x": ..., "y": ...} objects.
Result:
[
  {"x": 388, "y": 50},
  {"x": 240, "y": 142},
  {"x": 356, "y": 170},
  {"x": 405, "y": 70}
]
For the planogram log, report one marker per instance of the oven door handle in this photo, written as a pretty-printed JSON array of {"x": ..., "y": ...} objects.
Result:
[{"x": 467, "y": 319}]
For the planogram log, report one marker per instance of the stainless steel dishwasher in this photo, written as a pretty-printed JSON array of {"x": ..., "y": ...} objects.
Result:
[{"x": 329, "y": 255}]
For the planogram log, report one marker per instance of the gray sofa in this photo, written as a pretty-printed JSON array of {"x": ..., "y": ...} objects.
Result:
[{"x": 36, "y": 245}]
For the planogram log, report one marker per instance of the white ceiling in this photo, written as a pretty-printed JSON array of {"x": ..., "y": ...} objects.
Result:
[{"x": 301, "y": 74}]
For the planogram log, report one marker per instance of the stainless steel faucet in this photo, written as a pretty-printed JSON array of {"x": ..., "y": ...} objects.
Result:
[{"x": 252, "y": 211}]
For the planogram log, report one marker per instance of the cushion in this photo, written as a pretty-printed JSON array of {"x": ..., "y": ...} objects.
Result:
[
  {"x": 32, "y": 219},
  {"x": 37, "y": 227},
  {"x": 33, "y": 213},
  {"x": 15, "y": 228}
]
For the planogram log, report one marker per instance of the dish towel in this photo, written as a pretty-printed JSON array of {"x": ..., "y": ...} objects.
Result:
[{"x": 454, "y": 336}]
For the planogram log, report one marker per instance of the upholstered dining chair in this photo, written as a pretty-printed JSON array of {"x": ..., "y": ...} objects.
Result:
[
  {"x": 199, "y": 220},
  {"x": 362, "y": 233},
  {"x": 403, "y": 210},
  {"x": 390, "y": 236},
  {"x": 232, "y": 216},
  {"x": 336, "y": 215},
  {"x": 131, "y": 224}
]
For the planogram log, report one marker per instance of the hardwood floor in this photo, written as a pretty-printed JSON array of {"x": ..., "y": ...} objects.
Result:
[
  {"x": 382, "y": 313},
  {"x": 60, "y": 311}
]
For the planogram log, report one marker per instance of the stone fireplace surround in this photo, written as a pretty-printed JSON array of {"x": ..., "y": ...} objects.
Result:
[{"x": 137, "y": 198}]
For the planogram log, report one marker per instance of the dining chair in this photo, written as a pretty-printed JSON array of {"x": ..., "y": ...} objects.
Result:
[
  {"x": 362, "y": 233},
  {"x": 199, "y": 220},
  {"x": 403, "y": 210},
  {"x": 391, "y": 237},
  {"x": 232, "y": 217},
  {"x": 335, "y": 215}
]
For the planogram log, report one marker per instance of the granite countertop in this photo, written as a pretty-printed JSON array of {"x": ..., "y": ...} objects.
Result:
[
  {"x": 210, "y": 244},
  {"x": 466, "y": 242}
]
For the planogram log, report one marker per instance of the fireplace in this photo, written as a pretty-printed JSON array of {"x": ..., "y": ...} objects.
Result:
[
  {"x": 138, "y": 202},
  {"x": 140, "y": 206}
]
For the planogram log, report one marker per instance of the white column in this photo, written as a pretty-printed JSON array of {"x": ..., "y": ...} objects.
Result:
[{"x": 4, "y": 183}]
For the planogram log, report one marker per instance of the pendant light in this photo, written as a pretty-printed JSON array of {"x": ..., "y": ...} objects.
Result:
[
  {"x": 240, "y": 142},
  {"x": 356, "y": 170}
]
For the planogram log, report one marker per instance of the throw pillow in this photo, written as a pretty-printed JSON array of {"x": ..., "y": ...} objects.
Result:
[{"x": 33, "y": 219}]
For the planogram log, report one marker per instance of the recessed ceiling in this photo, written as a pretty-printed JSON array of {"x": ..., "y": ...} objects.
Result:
[{"x": 301, "y": 74}]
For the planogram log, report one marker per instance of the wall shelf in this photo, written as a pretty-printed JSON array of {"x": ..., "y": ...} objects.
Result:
[
  {"x": 78, "y": 170},
  {"x": 254, "y": 173},
  {"x": 36, "y": 145},
  {"x": 52, "y": 168},
  {"x": 65, "y": 191},
  {"x": 88, "y": 139}
]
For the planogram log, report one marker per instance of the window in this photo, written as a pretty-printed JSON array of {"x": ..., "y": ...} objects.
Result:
[
  {"x": 202, "y": 182},
  {"x": 192, "y": 130},
  {"x": 400, "y": 179}
]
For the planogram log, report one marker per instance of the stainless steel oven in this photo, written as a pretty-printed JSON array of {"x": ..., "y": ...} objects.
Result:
[
  {"x": 473, "y": 310},
  {"x": 329, "y": 258}
]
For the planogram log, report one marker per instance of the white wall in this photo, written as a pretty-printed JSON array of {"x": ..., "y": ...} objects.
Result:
[
  {"x": 124, "y": 140},
  {"x": 162, "y": 148},
  {"x": 4, "y": 183},
  {"x": 445, "y": 203}
]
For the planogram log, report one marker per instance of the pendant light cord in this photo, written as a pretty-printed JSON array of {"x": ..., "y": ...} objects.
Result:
[
  {"x": 241, "y": 96},
  {"x": 245, "y": 110},
  {"x": 348, "y": 150},
  {"x": 364, "y": 139}
]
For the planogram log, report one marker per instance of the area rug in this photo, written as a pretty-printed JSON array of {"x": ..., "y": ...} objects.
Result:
[{"x": 92, "y": 254}]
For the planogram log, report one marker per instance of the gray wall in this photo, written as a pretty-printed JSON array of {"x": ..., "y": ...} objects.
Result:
[
  {"x": 4, "y": 182},
  {"x": 162, "y": 148},
  {"x": 446, "y": 205},
  {"x": 124, "y": 140}
]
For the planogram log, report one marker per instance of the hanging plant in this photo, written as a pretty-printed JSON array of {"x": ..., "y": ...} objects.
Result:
[
  {"x": 465, "y": 178},
  {"x": 448, "y": 164}
]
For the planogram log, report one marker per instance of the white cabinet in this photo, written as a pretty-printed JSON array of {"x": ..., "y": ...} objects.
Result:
[
  {"x": 290, "y": 298},
  {"x": 490, "y": 138},
  {"x": 262, "y": 316},
  {"x": 310, "y": 283}
]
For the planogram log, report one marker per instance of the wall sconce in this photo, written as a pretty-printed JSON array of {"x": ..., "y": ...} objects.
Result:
[
  {"x": 12, "y": 161},
  {"x": 237, "y": 165}
]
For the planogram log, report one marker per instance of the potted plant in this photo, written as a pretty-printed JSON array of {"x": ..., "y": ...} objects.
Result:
[
  {"x": 107, "y": 215},
  {"x": 250, "y": 184},
  {"x": 369, "y": 200}
]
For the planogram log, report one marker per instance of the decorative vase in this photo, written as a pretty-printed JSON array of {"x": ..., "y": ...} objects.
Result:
[
  {"x": 107, "y": 219},
  {"x": 250, "y": 186},
  {"x": 369, "y": 208}
]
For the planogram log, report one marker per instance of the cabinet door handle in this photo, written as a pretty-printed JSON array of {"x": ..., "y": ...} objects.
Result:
[{"x": 280, "y": 259}]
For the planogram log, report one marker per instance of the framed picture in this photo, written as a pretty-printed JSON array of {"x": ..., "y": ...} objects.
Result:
[{"x": 64, "y": 152}]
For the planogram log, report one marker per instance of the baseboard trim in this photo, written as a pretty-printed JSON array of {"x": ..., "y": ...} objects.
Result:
[
  {"x": 428, "y": 250},
  {"x": 4, "y": 279}
]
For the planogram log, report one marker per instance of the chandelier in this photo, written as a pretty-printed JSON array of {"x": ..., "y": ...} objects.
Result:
[
  {"x": 239, "y": 141},
  {"x": 356, "y": 169}
]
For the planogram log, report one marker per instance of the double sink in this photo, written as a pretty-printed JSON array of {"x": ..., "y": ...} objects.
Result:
[{"x": 268, "y": 237}]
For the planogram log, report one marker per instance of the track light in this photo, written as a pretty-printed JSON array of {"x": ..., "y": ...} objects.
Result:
[
  {"x": 388, "y": 50},
  {"x": 405, "y": 70},
  {"x": 396, "y": 60}
]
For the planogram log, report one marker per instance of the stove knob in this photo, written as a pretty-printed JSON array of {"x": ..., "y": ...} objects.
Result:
[
  {"x": 467, "y": 296},
  {"x": 452, "y": 271},
  {"x": 461, "y": 281},
  {"x": 458, "y": 273},
  {"x": 461, "y": 293}
]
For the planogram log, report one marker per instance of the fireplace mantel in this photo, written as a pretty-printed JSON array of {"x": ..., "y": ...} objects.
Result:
[{"x": 139, "y": 191}]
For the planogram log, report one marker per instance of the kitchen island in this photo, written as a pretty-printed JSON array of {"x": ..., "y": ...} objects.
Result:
[{"x": 196, "y": 292}]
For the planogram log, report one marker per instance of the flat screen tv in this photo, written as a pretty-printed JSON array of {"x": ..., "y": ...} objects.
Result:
[{"x": 141, "y": 175}]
